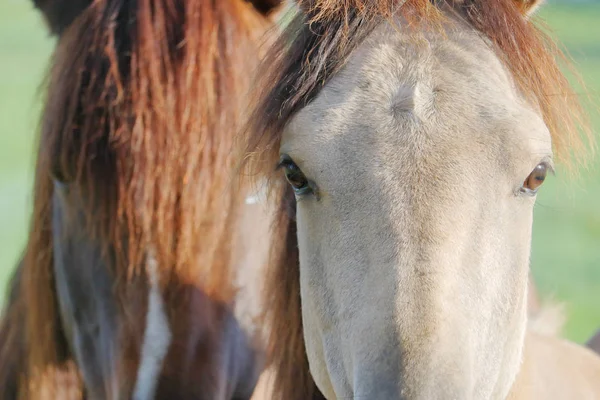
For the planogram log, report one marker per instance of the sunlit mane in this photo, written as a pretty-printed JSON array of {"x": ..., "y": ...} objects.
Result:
[
  {"x": 314, "y": 47},
  {"x": 144, "y": 113}
]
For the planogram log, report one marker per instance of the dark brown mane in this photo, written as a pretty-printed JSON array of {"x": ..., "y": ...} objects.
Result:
[
  {"x": 313, "y": 48},
  {"x": 143, "y": 103},
  {"x": 131, "y": 115}
]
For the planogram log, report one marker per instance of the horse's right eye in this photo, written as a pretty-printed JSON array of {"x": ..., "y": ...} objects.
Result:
[{"x": 295, "y": 176}]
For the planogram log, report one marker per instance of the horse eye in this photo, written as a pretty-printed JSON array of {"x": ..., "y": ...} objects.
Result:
[
  {"x": 536, "y": 178},
  {"x": 294, "y": 176}
]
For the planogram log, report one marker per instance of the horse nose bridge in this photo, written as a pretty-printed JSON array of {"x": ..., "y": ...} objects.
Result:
[
  {"x": 377, "y": 361},
  {"x": 411, "y": 372}
]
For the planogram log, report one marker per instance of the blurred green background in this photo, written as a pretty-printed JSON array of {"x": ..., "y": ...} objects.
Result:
[
  {"x": 566, "y": 242},
  {"x": 24, "y": 52}
]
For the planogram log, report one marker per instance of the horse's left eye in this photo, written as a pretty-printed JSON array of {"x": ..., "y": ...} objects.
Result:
[
  {"x": 295, "y": 176},
  {"x": 536, "y": 178}
]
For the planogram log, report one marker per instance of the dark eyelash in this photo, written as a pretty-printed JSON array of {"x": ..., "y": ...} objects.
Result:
[
  {"x": 550, "y": 165},
  {"x": 284, "y": 160}
]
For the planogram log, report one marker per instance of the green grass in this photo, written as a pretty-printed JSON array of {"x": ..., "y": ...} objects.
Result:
[
  {"x": 24, "y": 53},
  {"x": 566, "y": 233},
  {"x": 566, "y": 244}
]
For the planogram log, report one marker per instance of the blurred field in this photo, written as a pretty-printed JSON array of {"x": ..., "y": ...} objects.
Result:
[
  {"x": 566, "y": 244},
  {"x": 566, "y": 232},
  {"x": 24, "y": 53}
]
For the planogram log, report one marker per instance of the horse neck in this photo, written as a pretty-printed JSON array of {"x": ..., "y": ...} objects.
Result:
[
  {"x": 209, "y": 338},
  {"x": 251, "y": 251}
]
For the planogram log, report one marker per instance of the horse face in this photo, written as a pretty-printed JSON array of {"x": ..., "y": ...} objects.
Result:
[{"x": 413, "y": 177}]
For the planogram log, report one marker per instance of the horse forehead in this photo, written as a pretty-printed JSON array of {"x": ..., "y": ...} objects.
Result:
[{"x": 395, "y": 74}]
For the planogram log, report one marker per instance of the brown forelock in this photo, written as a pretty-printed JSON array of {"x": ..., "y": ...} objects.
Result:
[
  {"x": 314, "y": 46},
  {"x": 143, "y": 102}
]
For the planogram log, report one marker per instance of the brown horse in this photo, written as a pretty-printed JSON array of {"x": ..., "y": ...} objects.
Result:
[
  {"x": 414, "y": 136},
  {"x": 136, "y": 270},
  {"x": 594, "y": 343}
]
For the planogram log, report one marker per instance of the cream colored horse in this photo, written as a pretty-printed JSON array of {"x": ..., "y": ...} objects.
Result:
[
  {"x": 534, "y": 308},
  {"x": 415, "y": 157}
]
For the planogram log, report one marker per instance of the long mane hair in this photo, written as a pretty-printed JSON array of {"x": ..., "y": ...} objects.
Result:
[
  {"x": 314, "y": 46},
  {"x": 143, "y": 102}
]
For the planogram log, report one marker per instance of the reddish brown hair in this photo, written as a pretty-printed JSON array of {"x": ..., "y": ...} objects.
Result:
[
  {"x": 313, "y": 48},
  {"x": 144, "y": 100}
]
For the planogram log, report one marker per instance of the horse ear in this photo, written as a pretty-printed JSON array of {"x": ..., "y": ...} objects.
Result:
[
  {"x": 528, "y": 7},
  {"x": 59, "y": 14}
]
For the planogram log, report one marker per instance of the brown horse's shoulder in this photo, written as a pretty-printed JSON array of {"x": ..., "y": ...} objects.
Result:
[{"x": 594, "y": 343}]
